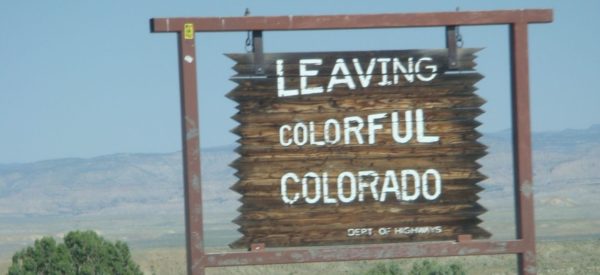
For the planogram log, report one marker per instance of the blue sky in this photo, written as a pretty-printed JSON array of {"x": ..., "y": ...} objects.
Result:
[{"x": 87, "y": 78}]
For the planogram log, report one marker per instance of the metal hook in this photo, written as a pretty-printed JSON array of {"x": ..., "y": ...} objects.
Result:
[
  {"x": 248, "y": 45},
  {"x": 459, "y": 38}
]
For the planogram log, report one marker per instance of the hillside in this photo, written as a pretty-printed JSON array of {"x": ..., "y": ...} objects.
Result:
[{"x": 139, "y": 197}]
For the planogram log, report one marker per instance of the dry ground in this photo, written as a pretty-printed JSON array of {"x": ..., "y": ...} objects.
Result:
[{"x": 554, "y": 257}]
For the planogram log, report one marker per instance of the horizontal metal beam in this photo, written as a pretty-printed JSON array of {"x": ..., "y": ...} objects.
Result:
[
  {"x": 355, "y": 21},
  {"x": 365, "y": 252}
]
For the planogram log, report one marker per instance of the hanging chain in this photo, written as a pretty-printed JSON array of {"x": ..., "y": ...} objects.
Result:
[
  {"x": 459, "y": 38},
  {"x": 248, "y": 45}
]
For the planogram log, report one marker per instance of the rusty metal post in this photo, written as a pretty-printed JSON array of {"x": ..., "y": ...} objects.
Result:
[
  {"x": 525, "y": 223},
  {"x": 191, "y": 150}
]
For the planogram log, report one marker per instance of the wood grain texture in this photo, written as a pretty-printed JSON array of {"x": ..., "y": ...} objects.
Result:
[
  {"x": 276, "y": 153},
  {"x": 450, "y": 108},
  {"x": 266, "y": 87},
  {"x": 245, "y": 63}
]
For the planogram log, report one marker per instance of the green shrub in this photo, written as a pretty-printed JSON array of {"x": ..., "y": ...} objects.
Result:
[
  {"x": 82, "y": 253},
  {"x": 385, "y": 269},
  {"x": 427, "y": 267}
]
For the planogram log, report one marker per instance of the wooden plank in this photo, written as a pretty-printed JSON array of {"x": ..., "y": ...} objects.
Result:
[
  {"x": 460, "y": 140},
  {"x": 311, "y": 133},
  {"x": 273, "y": 178},
  {"x": 267, "y": 86},
  {"x": 421, "y": 150},
  {"x": 439, "y": 114},
  {"x": 455, "y": 85},
  {"x": 261, "y": 154},
  {"x": 338, "y": 237},
  {"x": 359, "y": 212},
  {"x": 274, "y": 223},
  {"x": 258, "y": 185},
  {"x": 316, "y": 224},
  {"x": 449, "y": 185},
  {"x": 320, "y": 118},
  {"x": 305, "y": 125},
  {"x": 356, "y": 106},
  {"x": 363, "y": 66},
  {"x": 253, "y": 199},
  {"x": 341, "y": 160},
  {"x": 329, "y": 57},
  {"x": 383, "y": 140},
  {"x": 246, "y": 168}
]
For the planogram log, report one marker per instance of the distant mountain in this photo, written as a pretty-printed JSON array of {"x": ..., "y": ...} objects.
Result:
[
  {"x": 74, "y": 186},
  {"x": 138, "y": 186},
  {"x": 561, "y": 159},
  {"x": 560, "y": 140}
]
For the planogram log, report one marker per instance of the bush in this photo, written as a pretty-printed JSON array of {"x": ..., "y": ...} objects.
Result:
[
  {"x": 82, "y": 253},
  {"x": 425, "y": 267},
  {"x": 385, "y": 269},
  {"x": 432, "y": 268}
]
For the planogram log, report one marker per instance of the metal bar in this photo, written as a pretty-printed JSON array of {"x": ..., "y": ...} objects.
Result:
[
  {"x": 257, "y": 49},
  {"x": 525, "y": 223},
  {"x": 451, "y": 46},
  {"x": 368, "y": 252},
  {"x": 191, "y": 153},
  {"x": 357, "y": 21}
]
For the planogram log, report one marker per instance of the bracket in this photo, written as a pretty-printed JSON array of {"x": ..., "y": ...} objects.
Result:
[
  {"x": 257, "y": 50},
  {"x": 452, "y": 47}
]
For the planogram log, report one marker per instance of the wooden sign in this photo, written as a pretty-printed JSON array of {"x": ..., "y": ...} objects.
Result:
[{"x": 357, "y": 147}]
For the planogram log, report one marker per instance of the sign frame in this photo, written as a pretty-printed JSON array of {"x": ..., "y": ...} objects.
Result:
[{"x": 517, "y": 20}]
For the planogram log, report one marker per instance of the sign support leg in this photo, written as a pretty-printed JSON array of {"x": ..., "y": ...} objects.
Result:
[
  {"x": 525, "y": 224},
  {"x": 191, "y": 151}
]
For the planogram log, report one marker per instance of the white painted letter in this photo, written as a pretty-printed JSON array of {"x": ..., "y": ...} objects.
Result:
[
  {"x": 300, "y": 127},
  {"x": 373, "y": 126},
  {"x": 421, "y": 137},
  {"x": 340, "y": 64},
  {"x": 432, "y": 68},
  {"x": 313, "y": 141},
  {"x": 415, "y": 175},
  {"x": 390, "y": 177},
  {"x": 408, "y": 74},
  {"x": 355, "y": 129},
  {"x": 340, "y": 185},
  {"x": 281, "y": 91},
  {"x": 326, "y": 198},
  {"x": 284, "y": 195},
  {"x": 362, "y": 184},
  {"x": 396, "y": 127},
  {"x": 317, "y": 187},
  {"x": 282, "y": 141},
  {"x": 438, "y": 184},
  {"x": 384, "y": 77},
  {"x": 364, "y": 78},
  {"x": 336, "y": 126},
  {"x": 304, "y": 73}
]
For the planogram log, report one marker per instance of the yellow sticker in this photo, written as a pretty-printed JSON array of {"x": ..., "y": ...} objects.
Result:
[{"x": 188, "y": 31}]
